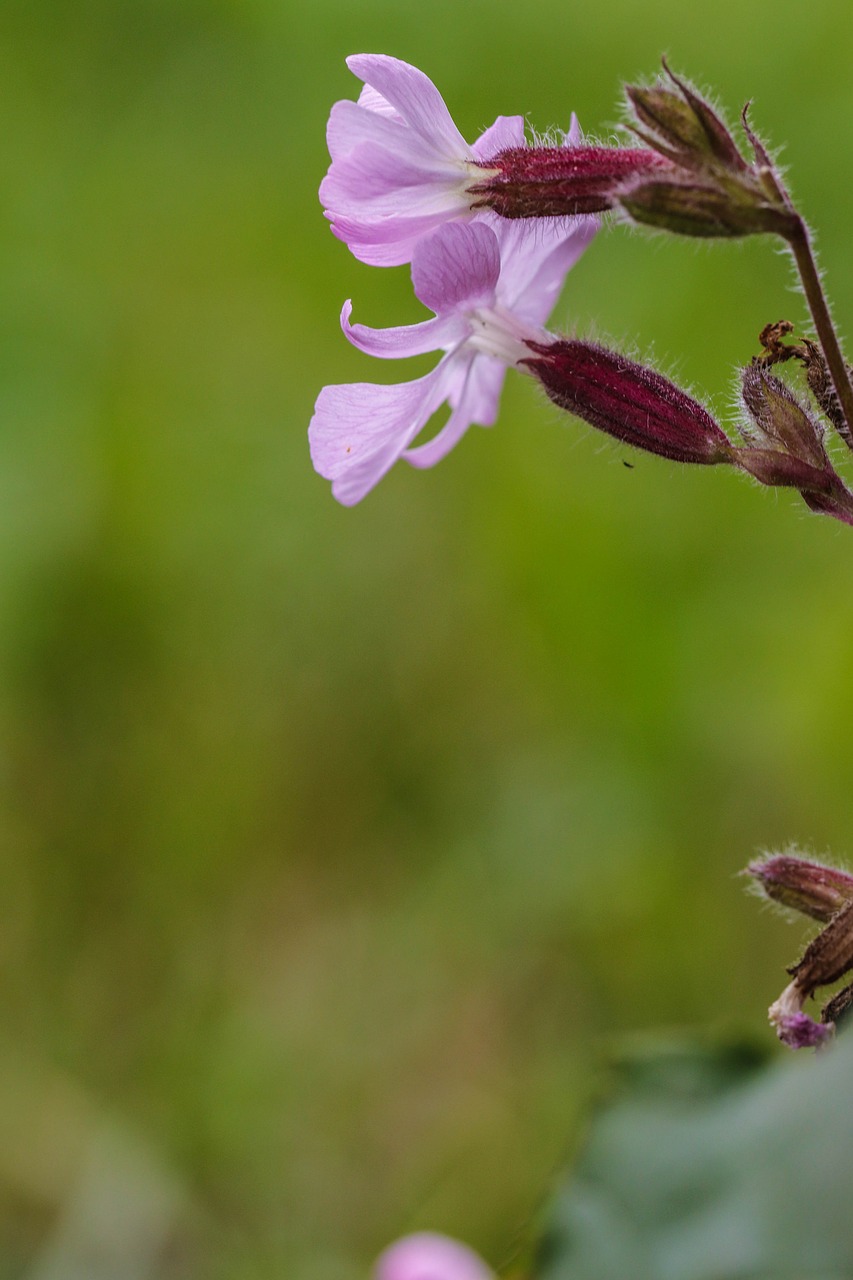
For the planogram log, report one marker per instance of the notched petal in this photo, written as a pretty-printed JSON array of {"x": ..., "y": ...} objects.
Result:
[{"x": 359, "y": 430}]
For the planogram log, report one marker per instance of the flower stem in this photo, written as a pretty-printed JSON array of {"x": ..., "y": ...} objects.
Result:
[{"x": 798, "y": 238}]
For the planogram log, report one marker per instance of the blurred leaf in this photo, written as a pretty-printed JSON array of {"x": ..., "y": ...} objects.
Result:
[{"x": 706, "y": 1166}]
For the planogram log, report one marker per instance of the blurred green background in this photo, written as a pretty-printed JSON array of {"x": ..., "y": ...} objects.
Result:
[{"x": 339, "y": 844}]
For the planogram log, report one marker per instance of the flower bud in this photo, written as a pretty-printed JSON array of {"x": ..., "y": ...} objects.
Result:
[
  {"x": 828, "y": 956},
  {"x": 837, "y": 505},
  {"x": 713, "y": 190},
  {"x": 697, "y": 209},
  {"x": 684, "y": 123},
  {"x": 634, "y": 404},
  {"x": 784, "y": 442},
  {"x": 779, "y": 418},
  {"x": 777, "y": 469},
  {"x": 541, "y": 182},
  {"x": 809, "y": 887},
  {"x": 821, "y": 386}
]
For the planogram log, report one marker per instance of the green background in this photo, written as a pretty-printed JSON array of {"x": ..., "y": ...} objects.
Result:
[{"x": 339, "y": 844}]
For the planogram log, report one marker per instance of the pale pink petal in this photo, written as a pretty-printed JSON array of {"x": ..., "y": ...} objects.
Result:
[
  {"x": 483, "y": 390},
  {"x": 432, "y": 451},
  {"x": 574, "y": 137},
  {"x": 397, "y": 158},
  {"x": 350, "y": 126},
  {"x": 507, "y": 131},
  {"x": 369, "y": 231},
  {"x": 457, "y": 266},
  {"x": 534, "y": 272},
  {"x": 404, "y": 340},
  {"x": 414, "y": 96},
  {"x": 374, "y": 182},
  {"x": 427, "y": 1256},
  {"x": 474, "y": 401},
  {"x": 374, "y": 156},
  {"x": 371, "y": 100},
  {"x": 359, "y": 430},
  {"x": 384, "y": 242},
  {"x": 445, "y": 439}
]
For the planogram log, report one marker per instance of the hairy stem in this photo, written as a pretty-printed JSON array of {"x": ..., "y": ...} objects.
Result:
[{"x": 798, "y": 238}]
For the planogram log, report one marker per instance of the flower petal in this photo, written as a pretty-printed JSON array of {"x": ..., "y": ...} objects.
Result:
[
  {"x": 374, "y": 156},
  {"x": 483, "y": 390},
  {"x": 374, "y": 182},
  {"x": 350, "y": 125},
  {"x": 384, "y": 242},
  {"x": 457, "y": 266},
  {"x": 473, "y": 399},
  {"x": 406, "y": 339},
  {"x": 574, "y": 137},
  {"x": 427, "y": 1256},
  {"x": 507, "y": 131},
  {"x": 372, "y": 100},
  {"x": 536, "y": 256},
  {"x": 359, "y": 430},
  {"x": 414, "y": 96}
]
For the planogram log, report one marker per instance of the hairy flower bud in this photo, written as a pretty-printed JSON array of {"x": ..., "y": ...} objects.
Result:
[
  {"x": 713, "y": 190},
  {"x": 784, "y": 445},
  {"x": 541, "y": 182},
  {"x": 809, "y": 887},
  {"x": 780, "y": 470},
  {"x": 679, "y": 123},
  {"x": 683, "y": 121},
  {"x": 779, "y": 417},
  {"x": 696, "y": 209},
  {"x": 821, "y": 386},
  {"x": 828, "y": 956},
  {"x": 634, "y": 404}
]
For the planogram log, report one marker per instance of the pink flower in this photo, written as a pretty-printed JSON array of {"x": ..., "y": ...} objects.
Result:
[
  {"x": 400, "y": 167},
  {"x": 430, "y": 1257},
  {"x": 491, "y": 289}
]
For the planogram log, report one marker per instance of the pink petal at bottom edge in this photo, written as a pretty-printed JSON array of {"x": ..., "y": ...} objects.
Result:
[{"x": 427, "y": 1256}]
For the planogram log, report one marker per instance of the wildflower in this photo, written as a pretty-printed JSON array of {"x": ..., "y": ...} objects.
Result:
[
  {"x": 400, "y": 167},
  {"x": 427, "y": 1256},
  {"x": 490, "y": 289}
]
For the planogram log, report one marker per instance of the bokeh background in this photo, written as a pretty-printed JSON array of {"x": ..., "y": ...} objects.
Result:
[{"x": 339, "y": 846}]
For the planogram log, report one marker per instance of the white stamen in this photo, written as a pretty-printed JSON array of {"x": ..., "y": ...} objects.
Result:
[{"x": 498, "y": 332}]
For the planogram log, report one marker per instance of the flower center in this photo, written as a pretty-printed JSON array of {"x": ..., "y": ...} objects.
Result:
[{"x": 497, "y": 332}]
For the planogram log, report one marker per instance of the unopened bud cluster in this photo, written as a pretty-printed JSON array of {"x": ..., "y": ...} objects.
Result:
[
  {"x": 823, "y": 893},
  {"x": 784, "y": 445},
  {"x": 690, "y": 178},
  {"x": 712, "y": 189}
]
